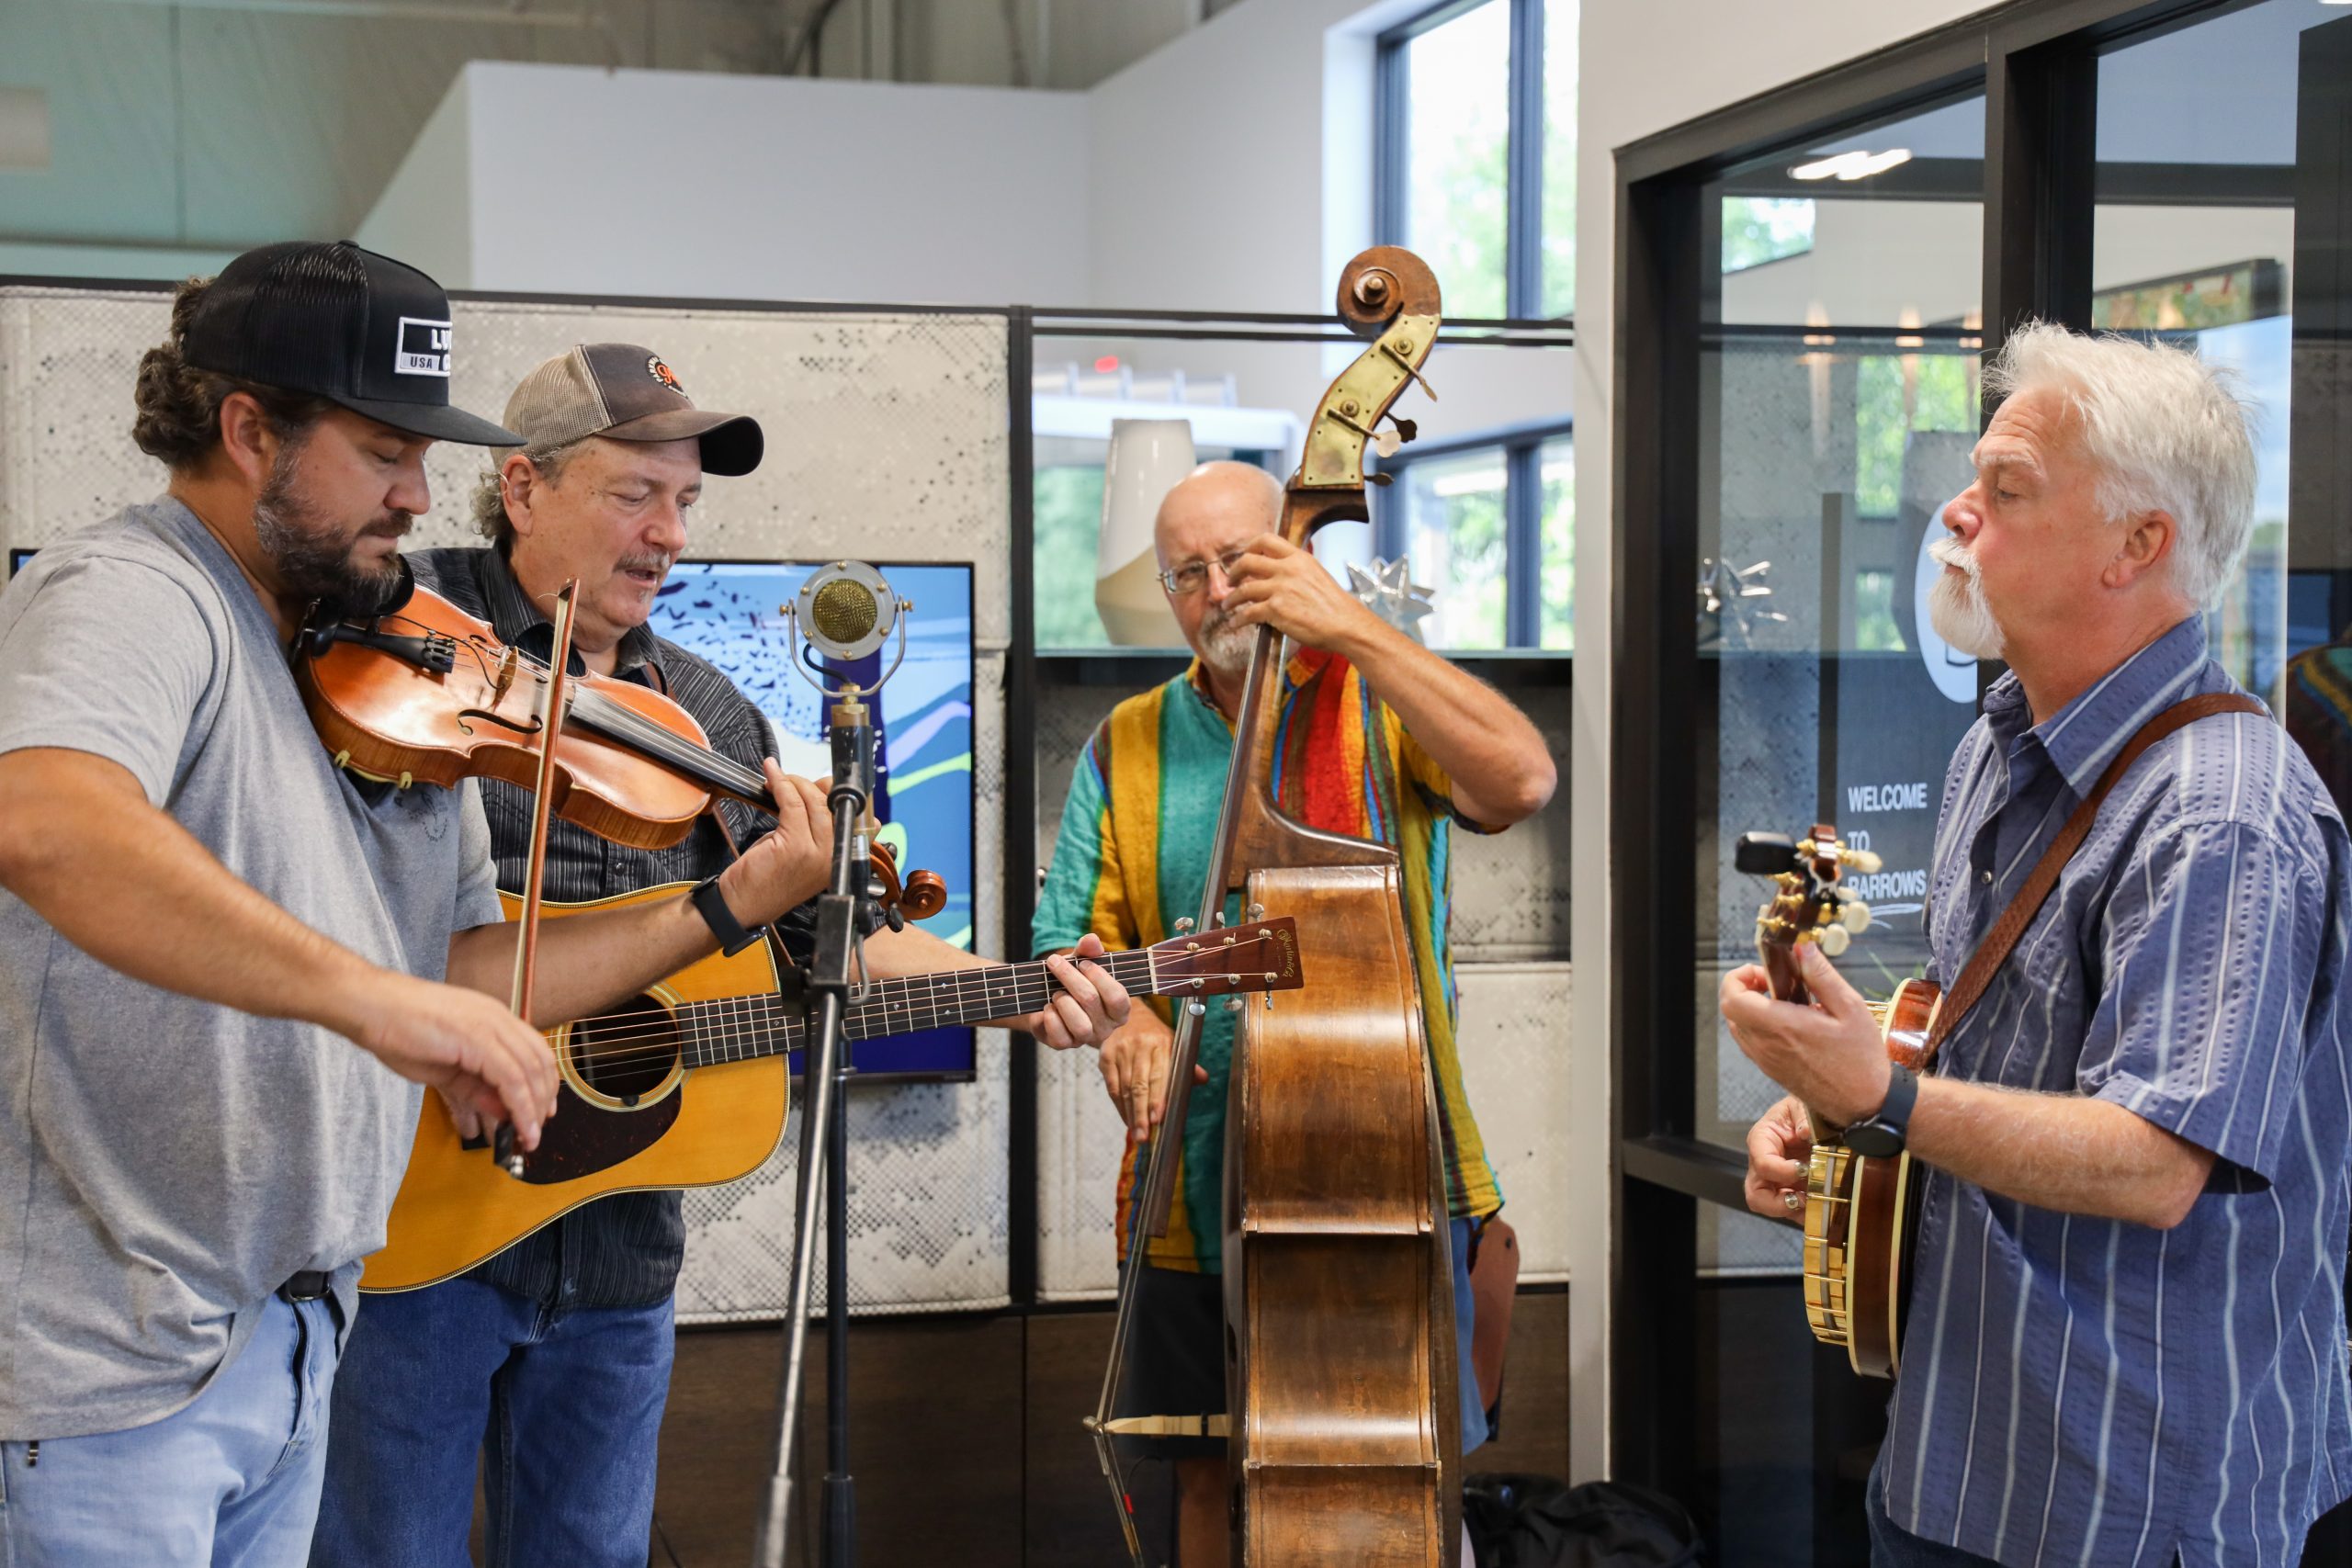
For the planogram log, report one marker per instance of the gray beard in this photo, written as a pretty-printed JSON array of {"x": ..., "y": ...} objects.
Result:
[{"x": 1226, "y": 647}]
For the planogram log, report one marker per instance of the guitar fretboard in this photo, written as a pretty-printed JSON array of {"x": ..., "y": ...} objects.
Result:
[{"x": 739, "y": 1029}]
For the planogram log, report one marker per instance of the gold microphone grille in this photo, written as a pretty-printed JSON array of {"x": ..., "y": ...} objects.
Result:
[{"x": 842, "y": 611}]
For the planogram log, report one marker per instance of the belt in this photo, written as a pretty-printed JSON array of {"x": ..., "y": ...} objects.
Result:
[{"x": 307, "y": 1286}]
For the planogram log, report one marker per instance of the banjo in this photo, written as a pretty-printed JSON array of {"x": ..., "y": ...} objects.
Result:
[{"x": 1859, "y": 1212}]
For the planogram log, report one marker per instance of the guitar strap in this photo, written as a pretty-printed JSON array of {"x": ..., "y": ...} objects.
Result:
[
  {"x": 2022, "y": 910},
  {"x": 1986, "y": 961}
]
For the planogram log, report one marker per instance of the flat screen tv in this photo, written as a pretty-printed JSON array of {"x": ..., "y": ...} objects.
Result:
[{"x": 726, "y": 611}]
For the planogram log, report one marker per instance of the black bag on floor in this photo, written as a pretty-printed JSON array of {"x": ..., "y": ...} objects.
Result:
[{"x": 1536, "y": 1521}]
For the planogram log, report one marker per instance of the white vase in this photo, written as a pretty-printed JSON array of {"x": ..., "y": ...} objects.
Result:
[{"x": 1148, "y": 458}]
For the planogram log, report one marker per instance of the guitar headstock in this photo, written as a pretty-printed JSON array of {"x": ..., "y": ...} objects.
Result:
[
  {"x": 1229, "y": 960},
  {"x": 1808, "y": 904}
]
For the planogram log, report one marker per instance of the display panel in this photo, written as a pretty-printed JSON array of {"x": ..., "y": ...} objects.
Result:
[{"x": 730, "y": 612}]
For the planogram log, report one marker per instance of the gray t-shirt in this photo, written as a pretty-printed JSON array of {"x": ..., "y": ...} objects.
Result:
[{"x": 166, "y": 1163}]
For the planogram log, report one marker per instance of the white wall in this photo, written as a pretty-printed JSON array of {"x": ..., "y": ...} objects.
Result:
[
  {"x": 675, "y": 183},
  {"x": 1648, "y": 66}
]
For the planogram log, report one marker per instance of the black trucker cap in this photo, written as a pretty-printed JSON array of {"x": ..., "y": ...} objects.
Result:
[{"x": 346, "y": 324}]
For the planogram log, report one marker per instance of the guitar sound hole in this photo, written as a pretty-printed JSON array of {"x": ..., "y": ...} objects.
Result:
[{"x": 627, "y": 1054}]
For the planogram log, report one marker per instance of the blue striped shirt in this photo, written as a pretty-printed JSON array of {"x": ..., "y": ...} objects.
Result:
[{"x": 2087, "y": 1391}]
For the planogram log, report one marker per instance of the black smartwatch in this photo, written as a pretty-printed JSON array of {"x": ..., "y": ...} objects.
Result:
[
  {"x": 712, "y": 906},
  {"x": 1881, "y": 1137}
]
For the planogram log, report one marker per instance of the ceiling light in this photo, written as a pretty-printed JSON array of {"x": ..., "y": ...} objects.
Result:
[{"x": 1858, "y": 166}]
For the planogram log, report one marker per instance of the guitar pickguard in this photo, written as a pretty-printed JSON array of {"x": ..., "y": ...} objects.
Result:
[{"x": 619, "y": 1093}]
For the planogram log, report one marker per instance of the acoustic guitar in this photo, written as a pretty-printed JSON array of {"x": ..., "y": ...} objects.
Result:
[
  {"x": 1860, "y": 1213},
  {"x": 686, "y": 1085}
]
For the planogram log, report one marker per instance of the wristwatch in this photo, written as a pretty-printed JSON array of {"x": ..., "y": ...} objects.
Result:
[
  {"x": 1881, "y": 1137},
  {"x": 712, "y": 906}
]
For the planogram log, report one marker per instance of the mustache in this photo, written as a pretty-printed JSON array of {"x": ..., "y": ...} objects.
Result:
[
  {"x": 658, "y": 562},
  {"x": 392, "y": 525},
  {"x": 1950, "y": 551}
]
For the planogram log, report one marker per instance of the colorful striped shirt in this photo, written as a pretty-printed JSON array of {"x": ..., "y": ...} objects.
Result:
[
  {"x": 1133, "y": 855},
  {"x": 2086, "y": 1391}
]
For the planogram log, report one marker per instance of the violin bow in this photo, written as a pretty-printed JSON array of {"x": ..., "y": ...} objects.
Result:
[{"x": 526, "y": 951}]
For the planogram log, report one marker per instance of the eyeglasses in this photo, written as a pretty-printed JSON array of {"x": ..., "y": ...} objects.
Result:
[{"x": 1194, "y": 576}]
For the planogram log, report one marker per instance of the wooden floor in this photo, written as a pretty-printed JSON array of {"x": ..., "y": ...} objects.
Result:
[{"x": 965, "y": 1441}]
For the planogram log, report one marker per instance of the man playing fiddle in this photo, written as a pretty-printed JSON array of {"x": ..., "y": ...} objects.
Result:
[
  {"x": 220, "y": 956},
  {"x": 550, "y": 1362},
  {"x": 1383, "y": 739}
]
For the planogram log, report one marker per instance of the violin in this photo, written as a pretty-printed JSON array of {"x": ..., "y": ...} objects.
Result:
[{"x": 418, "y": 691}]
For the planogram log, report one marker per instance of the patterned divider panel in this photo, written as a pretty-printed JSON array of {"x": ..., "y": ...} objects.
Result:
[{"x": 886, "y": 438}]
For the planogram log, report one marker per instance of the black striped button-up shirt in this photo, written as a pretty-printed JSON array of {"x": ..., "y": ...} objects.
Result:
[{"x": 624, "y": 1251}]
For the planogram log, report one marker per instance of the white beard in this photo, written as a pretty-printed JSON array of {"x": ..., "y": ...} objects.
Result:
[{"x": 1957, "y": 607}]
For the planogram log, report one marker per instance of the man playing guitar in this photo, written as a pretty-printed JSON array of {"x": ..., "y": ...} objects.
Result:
[
  {"x": 2126, "y": 1336},
  {"x": 550, "y": 1361}
]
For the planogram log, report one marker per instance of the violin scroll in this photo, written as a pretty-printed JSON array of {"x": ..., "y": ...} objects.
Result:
[{"x": 921, "y": 895}]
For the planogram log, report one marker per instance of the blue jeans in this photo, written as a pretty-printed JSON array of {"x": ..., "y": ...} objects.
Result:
[
  {"x": 229, "y": 1479},
  {"x": 1465, "y": 1318},
  {"x": 564, "y": 1406}
]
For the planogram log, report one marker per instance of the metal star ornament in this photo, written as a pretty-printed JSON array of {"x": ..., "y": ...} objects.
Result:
[
  {"x": 1388, "y": 591},
  {"x": 1724, "y": 592}
]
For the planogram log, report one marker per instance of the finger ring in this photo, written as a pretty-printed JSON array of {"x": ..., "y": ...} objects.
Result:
[{"x": 1793, "y": 1200}]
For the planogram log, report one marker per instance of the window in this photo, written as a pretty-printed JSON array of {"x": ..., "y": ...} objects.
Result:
[
  {"x": 1477, "y": 152},
  {"x": 1486, "y": 528},
  {"x": 1477, "y": 173}
]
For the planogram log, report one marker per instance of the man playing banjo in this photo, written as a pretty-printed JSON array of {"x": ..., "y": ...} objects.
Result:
[{"x": 2126, "y": 1337}]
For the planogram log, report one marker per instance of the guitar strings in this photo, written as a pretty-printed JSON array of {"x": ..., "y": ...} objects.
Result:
[
  {"x": 767, "y": 1014},
  {"x": 967, "y": 986}
]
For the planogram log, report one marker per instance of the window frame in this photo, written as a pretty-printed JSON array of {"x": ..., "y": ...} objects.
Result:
[
  {"x": 1521, "y": 448},
  {"x": 1523, "y": 156}
]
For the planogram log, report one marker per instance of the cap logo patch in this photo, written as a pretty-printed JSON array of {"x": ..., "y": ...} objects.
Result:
[
  {"x": 424, "y": 348},
  {"x": 663, "y": 374}
]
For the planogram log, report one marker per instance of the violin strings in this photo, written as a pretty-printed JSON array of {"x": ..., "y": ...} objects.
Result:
[{"x": 620, "y": 720}]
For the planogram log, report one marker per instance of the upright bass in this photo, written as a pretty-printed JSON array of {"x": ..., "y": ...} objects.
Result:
[{"x": 1343, "y": 1424}]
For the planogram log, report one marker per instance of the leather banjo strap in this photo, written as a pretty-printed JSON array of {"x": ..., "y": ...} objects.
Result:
[{"x": 1986, "y": 961}]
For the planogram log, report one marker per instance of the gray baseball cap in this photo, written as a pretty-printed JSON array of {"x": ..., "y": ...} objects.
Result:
[{"x": 623, "y": 391}]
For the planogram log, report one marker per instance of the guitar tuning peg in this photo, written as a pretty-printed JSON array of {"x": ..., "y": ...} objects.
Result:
[
  {"x": 1381, "y": 479},
  {"x": 1854, "y": 916},
  {"x": 1407, "y": 430},
  {"x": 1235, "y": 1004},
  {"x": 1183, "y": 924},
  {"x": 1835, "y": 939},
  {"x": 1864, "y": 861}
]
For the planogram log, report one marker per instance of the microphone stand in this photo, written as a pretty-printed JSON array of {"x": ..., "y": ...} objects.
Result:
[{"x": 846, "y": 914}]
